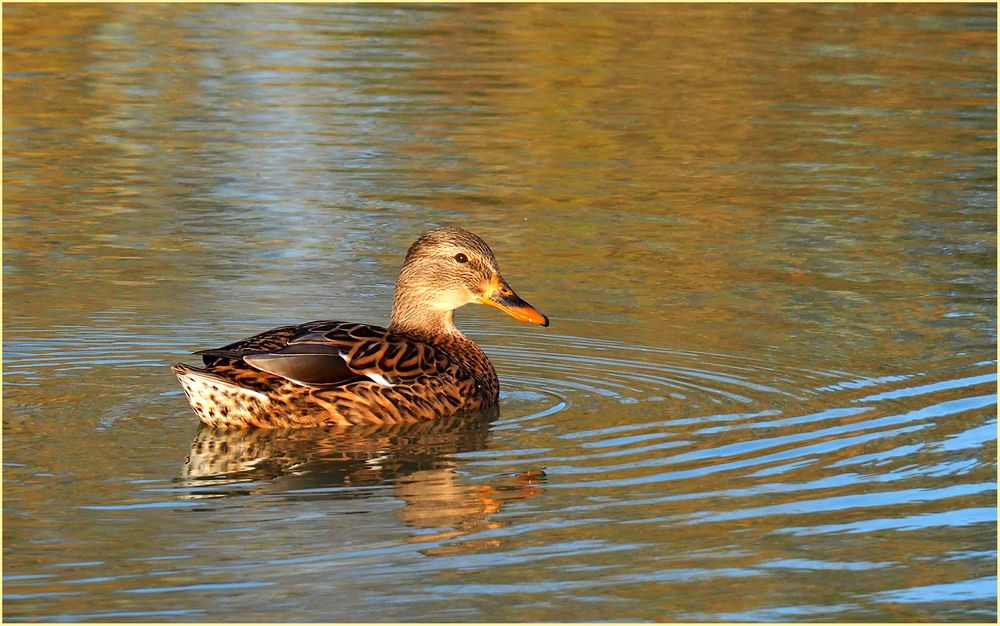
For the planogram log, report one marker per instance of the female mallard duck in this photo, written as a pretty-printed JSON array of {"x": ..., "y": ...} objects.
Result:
[{"x": 339, "y": 373}]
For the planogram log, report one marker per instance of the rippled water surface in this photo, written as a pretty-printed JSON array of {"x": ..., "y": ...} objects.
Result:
[{"x": 765, "y": 235}]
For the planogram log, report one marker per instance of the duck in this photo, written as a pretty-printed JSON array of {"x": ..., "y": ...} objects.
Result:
[{"x": 335, "y": 374}]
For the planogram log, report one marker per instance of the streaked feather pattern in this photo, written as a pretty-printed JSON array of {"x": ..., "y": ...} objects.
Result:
[{"x": 427, "y": 381}]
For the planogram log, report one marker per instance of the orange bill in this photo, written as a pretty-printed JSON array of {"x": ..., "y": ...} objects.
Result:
[{"x": 499, "y": 295}]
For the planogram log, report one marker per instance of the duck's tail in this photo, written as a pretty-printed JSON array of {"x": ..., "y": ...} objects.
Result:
[{"x": 220, "y": 402}]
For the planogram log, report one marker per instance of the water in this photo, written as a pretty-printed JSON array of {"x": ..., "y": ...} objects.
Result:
[{"x": 765, "y": 235}]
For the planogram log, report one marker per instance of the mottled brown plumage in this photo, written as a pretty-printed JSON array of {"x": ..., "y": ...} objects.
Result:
[{"x": 338, "y": 373}]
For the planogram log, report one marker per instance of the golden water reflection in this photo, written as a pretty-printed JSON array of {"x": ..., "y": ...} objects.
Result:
[{"x": 416, "y": 460}]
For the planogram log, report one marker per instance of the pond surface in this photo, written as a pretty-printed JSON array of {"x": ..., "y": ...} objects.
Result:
[{"x": 765, "y": 235}]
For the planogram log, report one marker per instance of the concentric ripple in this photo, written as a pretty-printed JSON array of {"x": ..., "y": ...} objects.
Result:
[
  {"x": 568, "y": 371},
  {"x": 843, "y": 468},
  {"x": 730, "y": 413}
]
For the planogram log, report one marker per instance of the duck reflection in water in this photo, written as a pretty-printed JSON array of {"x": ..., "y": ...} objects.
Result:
[{"x": 416, "y": 460}]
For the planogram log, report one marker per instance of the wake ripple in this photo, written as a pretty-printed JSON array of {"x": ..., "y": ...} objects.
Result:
[{"x": 857, "y": 471}]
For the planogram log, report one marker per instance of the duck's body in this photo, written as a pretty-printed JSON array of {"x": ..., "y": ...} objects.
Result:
[
  {"x": 355, "y": 373},
  {"x": 339, "y": 373}
]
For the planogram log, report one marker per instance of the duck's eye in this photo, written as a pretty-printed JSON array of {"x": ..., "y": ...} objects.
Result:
[{"x": 461, "y": 258}]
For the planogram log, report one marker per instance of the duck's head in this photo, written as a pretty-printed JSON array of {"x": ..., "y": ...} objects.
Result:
[{"x": 448, "y": 268}]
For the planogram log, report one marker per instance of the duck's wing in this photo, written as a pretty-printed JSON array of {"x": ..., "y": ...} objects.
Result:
[{"x": 327, "y": 354}]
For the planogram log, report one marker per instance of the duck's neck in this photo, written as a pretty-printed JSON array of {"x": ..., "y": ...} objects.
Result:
[
  {"x": 438, "y": 329},
  {"x": 431, "y": 326},
  {"x": 416, "y": 312},
  {"x": 422, "y": 314}
]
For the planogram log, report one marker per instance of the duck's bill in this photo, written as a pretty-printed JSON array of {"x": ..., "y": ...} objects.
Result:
[{"x": 512, "y": 304}]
